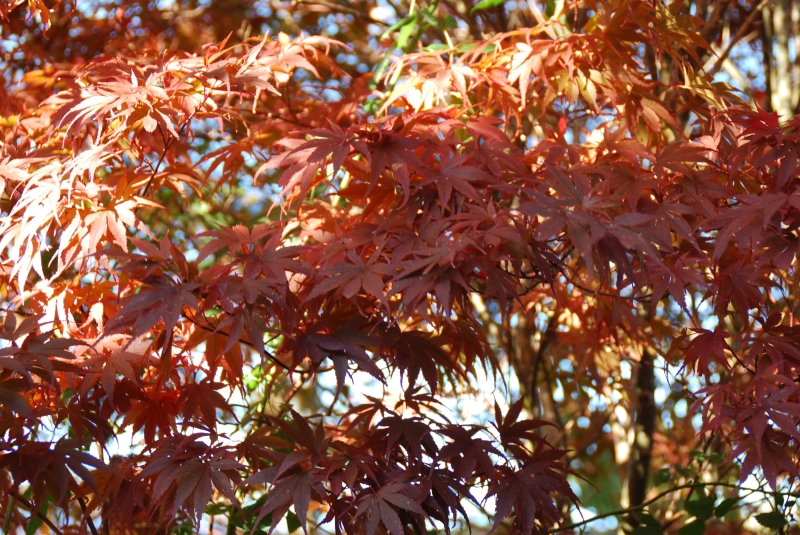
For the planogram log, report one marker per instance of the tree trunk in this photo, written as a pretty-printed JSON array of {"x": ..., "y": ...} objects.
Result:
[
  {"x": 644, "y": 427},
  {"x": 766, "y": 50},
  {"x": 795, "y": 16},
  {"x": 782, "y": 79}
]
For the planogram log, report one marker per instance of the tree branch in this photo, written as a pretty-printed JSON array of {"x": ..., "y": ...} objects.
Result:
[
  {"x": 344, "y": 9},
  {"x": 737, "y": 36},
  {"x": 644, "y": 426},
  {"x": 651, "y": 501},
  {"x": 272, "y": 357},
  {"x": 89, "y": 520},
  {"x": 39, "y": 513}
]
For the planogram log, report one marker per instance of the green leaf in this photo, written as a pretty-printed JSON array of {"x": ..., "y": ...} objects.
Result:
[
  {"x": 7, "y": 521},
  {"x": 380, "y": 68},
  {"x": 685, "y": 471},
  {"x": 702, "y": 508},
  {"x": 725, "y": 506},
  {"x": 429, "y": 19},
  {"x": 774, "y": 520},
  {"x": 469, "y": 45},
  {"x": 450, "y": 22},
  {"x": 292, "y": 522},
  {"x": 646, "y": 530},
  {"x": 33, "y": 525},
  {"x": 372, "y": 105},
  {"x": 435, "y": 46},
  {"x": 698, "y": 527},
  {"x": 184, "y": 528},
  {"x": 405, "y": 34},
  {"x": 662, "y": 476},
  {"x": 717, "y": 458},
  {"x": 405, "y": 21},
  {"x": 216, "y": 509},
  {"x": 250, "y": 514},
  {"x": 550, "y": 8},
  {"x": 648, "y": 525},
  {"x": 486, "y": 4},
  {"x": 647, "y": 519},
  {"x": 35, "y": 522},
  {"x": 697, "y": 454}
]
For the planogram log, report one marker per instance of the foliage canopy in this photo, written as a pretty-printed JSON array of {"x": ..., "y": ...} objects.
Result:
[{"x": 395, "y": 267}]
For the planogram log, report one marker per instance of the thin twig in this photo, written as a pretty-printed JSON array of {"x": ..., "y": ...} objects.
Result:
[
  {"x": 167, "y": 146},
  {"x": 88, "y": 518},
  {"x": 642, "y": 298},
  {"x": 745, "y": 366},
  {"x": 345, "y": 9},
  {"x": 172, "y": 140},
  {"x": 39, "y": 513},
  {"x": 737, "y": 36},
  {"x": 620, "y": 512},
  {"x": 272, "y": 357}
]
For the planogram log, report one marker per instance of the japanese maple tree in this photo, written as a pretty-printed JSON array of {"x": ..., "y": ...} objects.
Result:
[{"x": 397, "y": 267}]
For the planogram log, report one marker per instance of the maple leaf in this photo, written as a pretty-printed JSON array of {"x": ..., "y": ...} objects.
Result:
[
  {"x": 764, "y": 451},
  {"x": 203, "y": 397},
  {"x": 110, "y": 359},
  {"x": 380, "y": 506},
  {"x": 86, "y": 421},
  {"x": 525, "y": 61},
  {"x": 705, "y": 348},
  {"x": 221, "y": 351},
  {"x": 49, "y": 468},
  {"x": 415, "y": 435},
  {"x": 41, "y": 355},
  {"x": 528, "y": 492},
  {"x": 356, "y": 461},
  {"x": 454, "y": 173},
  {"x": 674, "y": 279},
  {"x": 11, "y": 330},
  {"x": 739, "y": 283},
  {"x": 314, "y": 445},
  {"x": 447, "y": 492},
  {"x": 678, "y": 157},
  {"x": 334, "y": 142},
  {"x": 389, "y": 149},
  {"x": 175, "y": 465},
  {"x": 292, "y": 490},
  {"x": 12, "y": 399},
  {"x": 319, "y": 345},
  {"x": 315, "y": 441},
  {"x": 304, "y": 158},
  {"x": 153, "y": 411},
  {"x": 778, "y": 342},
  {"x": 232, "y": 238},
  {"x": 513, "y": 431},
  {"x": 350, "y": 278},
  {"x": 164, "y": 302},
  {"x": 270, "y": 258},
  {"x": 416, "y": 352},
  {"x": 472, "y": 452}
]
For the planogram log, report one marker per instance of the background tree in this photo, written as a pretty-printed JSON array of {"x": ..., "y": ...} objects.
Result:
[{"x": 313, "y": 265}]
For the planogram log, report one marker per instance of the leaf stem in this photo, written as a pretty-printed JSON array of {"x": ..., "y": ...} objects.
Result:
[{"x": 620, "y": 512}]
